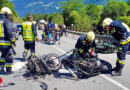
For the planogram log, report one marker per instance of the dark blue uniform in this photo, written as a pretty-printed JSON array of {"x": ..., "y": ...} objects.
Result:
[
  {"x": 84, "y": 45},
  {"x": 6, "y": 40},
  {"x": 121, "y": 34}
]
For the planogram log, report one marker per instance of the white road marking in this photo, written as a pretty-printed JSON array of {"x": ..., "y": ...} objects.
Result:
[{"x": 104, "y": 76}]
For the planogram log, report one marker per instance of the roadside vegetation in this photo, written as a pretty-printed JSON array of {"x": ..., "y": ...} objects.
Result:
[{"x": 79, "y": 14}]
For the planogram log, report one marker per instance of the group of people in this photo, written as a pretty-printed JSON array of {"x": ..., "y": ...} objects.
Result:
[
  {"x": 84, "y": 44},
  {"x": 8, "y": 41},
  {"x": 122, "y": 34},
  {"x": 54, "y": 30}
]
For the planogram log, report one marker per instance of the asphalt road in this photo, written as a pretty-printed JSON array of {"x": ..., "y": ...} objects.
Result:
[{"x": 100, "y": 82}]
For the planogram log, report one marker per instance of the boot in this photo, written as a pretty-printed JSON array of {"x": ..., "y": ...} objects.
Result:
[
  {"x": 2, "y": 69},
  {"x": 117, "y": 71},
  {"x": 9, "y": 70}
]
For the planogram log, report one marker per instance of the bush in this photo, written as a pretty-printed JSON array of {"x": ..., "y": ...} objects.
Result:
[{"x": 125, "y": 19}]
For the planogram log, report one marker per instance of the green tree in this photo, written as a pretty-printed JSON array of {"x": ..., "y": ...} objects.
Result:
[
  {"x": 68, "y": 6},
  {"x": 6, "y": 3},
  {"x": 56, "y": 17},
  {"x": 128, "y": 13},
  {"x": 125, "y": 19},
  {"x": 80, "y": 20},
  {"x": 114, "y": 9},
  {"x": 93, "y": 12},
  {"x": 128, "y": 2}
]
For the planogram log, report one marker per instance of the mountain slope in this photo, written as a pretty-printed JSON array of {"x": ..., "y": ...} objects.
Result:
[{"x": 45, "y": 6}]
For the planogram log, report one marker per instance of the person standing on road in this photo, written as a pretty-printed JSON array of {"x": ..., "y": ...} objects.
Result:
[
  {"x": 63, "y": 29},
  {"x": 100, "y": 28},
  {"x": 29, "y": 33},
  {"x": 6, "y": 41},
  {"x": 121, "y": 33},
  {"x": 86, "y": 44}
]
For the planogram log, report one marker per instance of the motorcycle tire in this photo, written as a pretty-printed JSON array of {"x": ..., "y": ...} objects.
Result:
[{"x": 53, "y": 62}]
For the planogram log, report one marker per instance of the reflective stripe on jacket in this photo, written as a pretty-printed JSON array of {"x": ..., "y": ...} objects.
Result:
[{"x": 3, "y": 42}]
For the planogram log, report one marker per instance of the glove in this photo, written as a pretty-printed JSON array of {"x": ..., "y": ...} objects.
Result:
[
  {"x": 81, "y": 51},
  {"x": 37, "y": 38},
  {"x": 92, "y": 52},
  {"x": 75, "y": 51},
  {"x": 13, "y": 41},
  {"x": 14, "y": 44}
]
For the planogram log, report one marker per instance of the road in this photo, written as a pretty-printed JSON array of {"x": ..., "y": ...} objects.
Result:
[{"x": 100, "y": 82}]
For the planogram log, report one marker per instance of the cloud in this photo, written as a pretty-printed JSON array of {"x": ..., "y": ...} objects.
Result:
[
  {"x": 32, "y": 4},
  {"x": 57, "y": 7},
  {"x": 47, "y": 5}
]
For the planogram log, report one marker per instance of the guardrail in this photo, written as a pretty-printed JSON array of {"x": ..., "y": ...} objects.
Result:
[
  {"x": 101, "y": 37},
  {"x": 75, "y": 28}
]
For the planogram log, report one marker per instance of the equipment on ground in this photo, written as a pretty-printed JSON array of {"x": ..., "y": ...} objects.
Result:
[{"x": 105, "y": 47}]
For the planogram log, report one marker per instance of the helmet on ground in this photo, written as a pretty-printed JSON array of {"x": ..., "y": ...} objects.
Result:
[
  {"x": 5, "y": 10},
  {"x": 90, "y": 36},
  {"x": 107, "y": 21}
]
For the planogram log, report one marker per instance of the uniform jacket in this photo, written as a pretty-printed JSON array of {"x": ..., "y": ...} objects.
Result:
[
  {"x": 82, "y": 43},
  {"x": 121, "y": 32},
  {"x": 6, "y": 30}
]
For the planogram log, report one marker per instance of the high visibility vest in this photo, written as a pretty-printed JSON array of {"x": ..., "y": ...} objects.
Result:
[
  {"x": 3, "y": 42},
  {"x": 28, "y": 34}
]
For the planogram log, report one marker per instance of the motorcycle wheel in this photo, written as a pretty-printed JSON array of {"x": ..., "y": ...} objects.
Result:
[{"x": 53, "y": 62}]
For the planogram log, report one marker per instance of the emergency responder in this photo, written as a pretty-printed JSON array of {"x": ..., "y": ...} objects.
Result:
[
  {"x": 29, "y": 34},
  {"x": 121, "y": 33},
  {"x": 6, "y": 41},
  {"x": 100, "y": 28},
  {"x": 86, "y": 43}
]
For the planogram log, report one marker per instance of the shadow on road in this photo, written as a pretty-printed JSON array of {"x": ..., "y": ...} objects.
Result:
[{"x": 19, "y": 59}]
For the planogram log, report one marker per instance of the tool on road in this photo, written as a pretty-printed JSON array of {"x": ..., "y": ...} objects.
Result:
[{"x": 44, "y": 86}]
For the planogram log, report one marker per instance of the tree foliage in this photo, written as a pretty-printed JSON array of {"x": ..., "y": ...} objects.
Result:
[
  {"x": 128, "y": 2},
  {"x": 68, "y": 6},
  {"x": 57, "y": 18},
  {"x": 125, "y": 19},
  {"x": 114, "y": 9},
  {"x": 6, "y": 3},
  {"x": 87, "y": 16}
]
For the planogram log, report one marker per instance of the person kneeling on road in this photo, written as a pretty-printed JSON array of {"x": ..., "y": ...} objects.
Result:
[
  {"x": 29, "y": 37},
  {"x": 85, "y": 43},
  {"x": 6, "y": 41},
  {"x": 121, "y": 33}
]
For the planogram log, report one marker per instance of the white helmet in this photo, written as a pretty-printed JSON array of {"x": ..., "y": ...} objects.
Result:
[
  {"x": 90, "y": 36},
  {"x": 5, "y": 10},
  {"x": 107, "y": 21}
]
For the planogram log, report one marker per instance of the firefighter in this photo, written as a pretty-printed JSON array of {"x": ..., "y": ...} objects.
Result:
[
  {"x": 121, "y": 33},
  {"x": 6, "y": 41},
  {"x": 29, "y": 34},
  {"x": 86, "y": 43}
]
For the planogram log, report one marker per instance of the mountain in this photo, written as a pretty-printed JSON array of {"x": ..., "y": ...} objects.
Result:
[{"x": 24, "y": 7}]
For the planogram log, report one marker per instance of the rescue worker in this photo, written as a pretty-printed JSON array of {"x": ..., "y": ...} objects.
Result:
[
  {"x": 29, "y": 34},
  {"x": 86, "y": 43},
  {"x": 100, "y": 28},
  {"x": 121, "y": 33},
  {"x": 6, "y": 41}
]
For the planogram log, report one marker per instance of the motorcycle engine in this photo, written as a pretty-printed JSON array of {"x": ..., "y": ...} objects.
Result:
[{"x": 89, "y": 67}]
